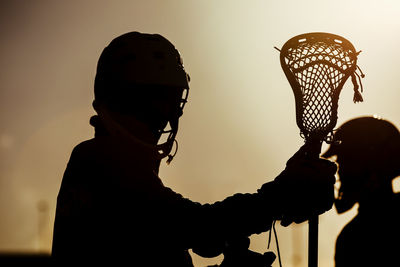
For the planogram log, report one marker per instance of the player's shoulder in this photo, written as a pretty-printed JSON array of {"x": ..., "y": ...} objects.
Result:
[
  {"x": 87, "y": 148},
  {"x": 102, "y": 147},
  {"x": 89, "y": 153}
]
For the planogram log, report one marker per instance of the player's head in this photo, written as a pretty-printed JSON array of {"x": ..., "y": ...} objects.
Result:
[
  {"x": 364, "y": 147},
  {"x": 142, "y": 75}
]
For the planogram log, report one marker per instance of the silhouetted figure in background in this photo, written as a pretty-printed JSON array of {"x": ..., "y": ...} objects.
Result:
[
  {"x": 368, "y": 155},
  {"x": 112, "y": 206}
]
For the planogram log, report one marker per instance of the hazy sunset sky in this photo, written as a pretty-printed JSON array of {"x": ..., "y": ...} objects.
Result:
[{"x": 238, "y": 128}]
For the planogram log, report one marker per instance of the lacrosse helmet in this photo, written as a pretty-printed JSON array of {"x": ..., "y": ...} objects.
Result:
[
  {"x": 136, "y": 74},
  {"x": 364, "y": 146}
]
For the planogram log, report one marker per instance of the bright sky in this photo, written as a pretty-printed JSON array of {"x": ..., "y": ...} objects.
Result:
[{"x": 238, "y": 129}]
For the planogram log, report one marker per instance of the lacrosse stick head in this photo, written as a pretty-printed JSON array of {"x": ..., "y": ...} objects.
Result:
[{"x": 317, "y": 66}]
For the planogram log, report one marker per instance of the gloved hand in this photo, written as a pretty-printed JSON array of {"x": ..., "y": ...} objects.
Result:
[
  {"x": 304, "y": 189},
  {"x": 237, "y": 254}
]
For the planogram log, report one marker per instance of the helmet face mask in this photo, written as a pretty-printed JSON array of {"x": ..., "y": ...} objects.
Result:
[
  {"x": 352, "y": 179},
  {"x": 160, "y": 107}
]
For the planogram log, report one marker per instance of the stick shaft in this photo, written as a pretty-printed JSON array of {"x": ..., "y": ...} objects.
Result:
[
  {"x": 314, "y": 149},
  {"x": 313, "y": 242}
]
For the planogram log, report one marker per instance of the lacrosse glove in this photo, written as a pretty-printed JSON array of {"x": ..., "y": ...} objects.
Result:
[{"x": 304, "y": 189}]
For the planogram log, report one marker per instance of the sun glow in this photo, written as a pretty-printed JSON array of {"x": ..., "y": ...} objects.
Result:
[{"x": 238, "y": 128}]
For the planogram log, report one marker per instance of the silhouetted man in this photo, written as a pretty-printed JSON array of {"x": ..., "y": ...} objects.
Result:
[
  {"x": 368, "y": 155},
  {"x": 112, "y": 206}
]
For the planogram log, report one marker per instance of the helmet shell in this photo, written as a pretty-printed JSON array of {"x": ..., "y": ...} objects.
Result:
[
  {"x": 136, "y": 60},
  {"x": 367, "y": 136}
]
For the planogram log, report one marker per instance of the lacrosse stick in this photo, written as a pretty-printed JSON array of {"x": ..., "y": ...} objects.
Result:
[{"x": 317, "y": 66}]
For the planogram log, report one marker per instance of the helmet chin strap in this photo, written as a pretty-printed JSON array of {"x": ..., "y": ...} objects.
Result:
[{"x": 165, "y": 148}]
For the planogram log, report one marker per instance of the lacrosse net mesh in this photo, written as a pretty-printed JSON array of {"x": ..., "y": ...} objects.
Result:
[{"x": 317, "y": 66}]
